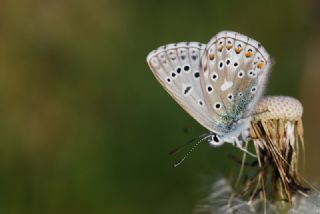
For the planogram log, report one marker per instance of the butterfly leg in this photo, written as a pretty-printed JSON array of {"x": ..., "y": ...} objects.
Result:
[{"x": 239, "y": 144}]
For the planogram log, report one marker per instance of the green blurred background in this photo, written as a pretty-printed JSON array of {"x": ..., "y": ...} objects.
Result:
[{"x": 86, "y": 128}]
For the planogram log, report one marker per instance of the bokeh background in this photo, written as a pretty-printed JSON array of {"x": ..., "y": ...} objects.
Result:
[{"x": 86, "y": 128}]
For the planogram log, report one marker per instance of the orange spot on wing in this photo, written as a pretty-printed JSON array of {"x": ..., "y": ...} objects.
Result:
[
  {"x": 228, "y": 46},
  {"x": 248, "y": 54},
  {"x": 260, "y": 65},
  {"x": 238, "y": 50},
  {"x": 211, "y": 56}
]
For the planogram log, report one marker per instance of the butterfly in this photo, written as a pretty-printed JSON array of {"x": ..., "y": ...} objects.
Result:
[{"x": 218, "y": 84}]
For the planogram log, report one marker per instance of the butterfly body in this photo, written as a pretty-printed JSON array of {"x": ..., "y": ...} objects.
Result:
[{"x": 218, "y": 84}]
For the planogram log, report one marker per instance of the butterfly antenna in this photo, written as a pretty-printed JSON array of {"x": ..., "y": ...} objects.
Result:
[
  {"x": 183, "y": 146},
  {"x": 191, "y": 150}
]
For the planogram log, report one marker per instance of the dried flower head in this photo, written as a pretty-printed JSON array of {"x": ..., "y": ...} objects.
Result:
[
  {"x": 271, "y": 183},
  {"x": 277, "y": 134}
]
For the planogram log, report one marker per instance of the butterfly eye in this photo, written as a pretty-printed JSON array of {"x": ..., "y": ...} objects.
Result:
[{"x": 215, "y": 140}]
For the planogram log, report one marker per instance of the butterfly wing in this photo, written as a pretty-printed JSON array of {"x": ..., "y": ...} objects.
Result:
[
  {"x": 177, "y": 68},
  {"x": 233, "y": 76}
]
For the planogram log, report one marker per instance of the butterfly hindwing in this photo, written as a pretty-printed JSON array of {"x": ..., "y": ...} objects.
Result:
[
  {"x": 234, "y": 71},
  {"x": 177, "y": 68}
]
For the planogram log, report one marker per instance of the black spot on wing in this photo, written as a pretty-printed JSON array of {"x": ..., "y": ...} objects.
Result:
[{"x": 188, "y": 88}]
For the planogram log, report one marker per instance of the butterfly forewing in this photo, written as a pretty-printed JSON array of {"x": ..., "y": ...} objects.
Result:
[
  {"x": 177, "y": 68},
  {"x": 234, "y": 70}
]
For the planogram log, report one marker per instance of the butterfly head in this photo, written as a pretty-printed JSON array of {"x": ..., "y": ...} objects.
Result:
[{"x": 231, "y": 132}]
